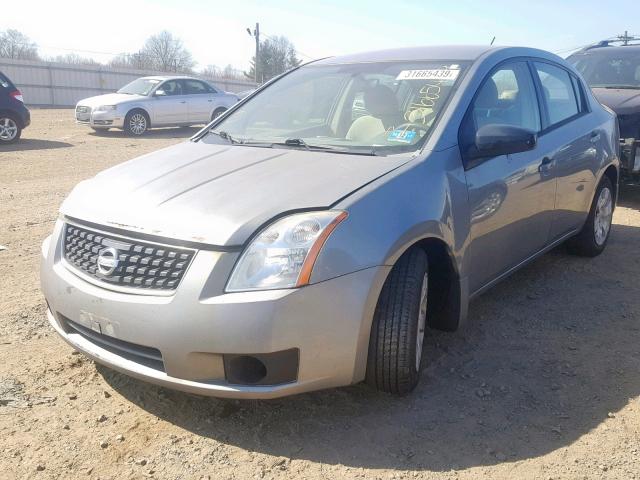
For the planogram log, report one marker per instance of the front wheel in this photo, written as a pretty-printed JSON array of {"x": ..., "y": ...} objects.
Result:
[
  {"x": 593, "y": 237},
  {"x": 217, "y": 112},
  {"x": 399, "y": 323},
  {"x": 10, "y": 130},
  {"x": 136, "y": 123}
]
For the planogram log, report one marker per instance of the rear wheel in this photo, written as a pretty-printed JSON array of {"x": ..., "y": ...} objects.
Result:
[
  {"x": 399, "y": 323},
  {"x": 136, "y": 123},
  {"x": 593, "y": 237},
  {"x": 10, "y": 130}
]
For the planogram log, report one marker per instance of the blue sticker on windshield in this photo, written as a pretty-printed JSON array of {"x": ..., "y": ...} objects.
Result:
[{"x": 404, "y": 136}]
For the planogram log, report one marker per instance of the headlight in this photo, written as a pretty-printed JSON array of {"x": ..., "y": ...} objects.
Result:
[
  {"x": 282, "y": 255},
  {"x": 105, "y": 108}
]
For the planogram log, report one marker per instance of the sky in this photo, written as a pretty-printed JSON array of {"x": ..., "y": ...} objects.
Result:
[{"x": 215, "y": 31}]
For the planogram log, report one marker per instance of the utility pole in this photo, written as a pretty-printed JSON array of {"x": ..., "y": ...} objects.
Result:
[{"x": 256, "y": 35}]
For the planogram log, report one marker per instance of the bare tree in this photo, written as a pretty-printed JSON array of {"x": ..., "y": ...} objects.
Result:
[
  {"x": 15, "y": 44},
  {"x": 228, "y": 72},
  {"x": 167, "y": 53},
  {"x": 73, "y": 59}
]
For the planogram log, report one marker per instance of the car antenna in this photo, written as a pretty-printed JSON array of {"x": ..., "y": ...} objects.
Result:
[{"x": 492, "y": 40}]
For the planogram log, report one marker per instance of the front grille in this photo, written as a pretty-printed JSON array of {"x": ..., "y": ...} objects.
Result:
[
  {"x": 125, "y": 262},
  {"x": 148, "y": 356}
]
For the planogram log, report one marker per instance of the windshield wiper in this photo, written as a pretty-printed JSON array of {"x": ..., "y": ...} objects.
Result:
[
  {"x": 224, "y": 135},
  {"x": 298, "y": 142}
]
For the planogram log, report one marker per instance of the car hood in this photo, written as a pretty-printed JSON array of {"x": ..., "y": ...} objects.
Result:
[
  {"x": 109, "y": 99},
  {"x": 219, "y": 194},
  {"x": 623, "y": 101}
]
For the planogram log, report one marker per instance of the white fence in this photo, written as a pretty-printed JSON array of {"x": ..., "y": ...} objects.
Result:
[{"x": 58, "y": 84}]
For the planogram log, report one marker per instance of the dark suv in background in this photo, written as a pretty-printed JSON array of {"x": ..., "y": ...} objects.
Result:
[
  {"x": 613, "y": 73},
  {"x": 14, "y": 116}
]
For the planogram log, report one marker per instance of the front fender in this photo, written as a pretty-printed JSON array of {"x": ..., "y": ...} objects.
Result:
[{"x": 426, "y": 198}]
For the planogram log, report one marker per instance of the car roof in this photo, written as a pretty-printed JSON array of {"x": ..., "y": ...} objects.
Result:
[
  {"x": 608, "y": 49},
  {"x": 169, "y": 77},
  {"x": 442, "y": 52}
]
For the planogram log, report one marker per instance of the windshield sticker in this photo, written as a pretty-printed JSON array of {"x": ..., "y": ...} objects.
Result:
[
  {"x": 436, "y": 74},
  {"x": 404, "y": 136}
]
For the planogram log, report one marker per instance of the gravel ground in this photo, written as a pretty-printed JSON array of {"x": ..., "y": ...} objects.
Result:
[{"x": 543, "y": 383}]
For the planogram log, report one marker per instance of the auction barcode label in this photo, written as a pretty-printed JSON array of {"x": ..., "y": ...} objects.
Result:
[{"x": 437, "y": 74}]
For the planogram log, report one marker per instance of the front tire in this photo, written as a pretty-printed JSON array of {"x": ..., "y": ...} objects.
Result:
[
  {"x": 592, "y": 239},
  {"x": 10, "y": 130},
  {"x": 399, "y": 322},
  {"x": 217, "y": 112},
  {"x": 136, "y": 123}
]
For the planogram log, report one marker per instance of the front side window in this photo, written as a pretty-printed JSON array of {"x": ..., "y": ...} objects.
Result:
[
  {"x": 141, "y": 86},
  {"x": 384, "y": 108},
  {"x": 507, "y": 97},
  {"x": 171, "y": 87},
  {"x": 611, "y": 69},
  {"x": 558, "y": 92}
]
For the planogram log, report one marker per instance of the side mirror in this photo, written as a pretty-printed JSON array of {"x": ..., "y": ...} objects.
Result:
[
  {"x": 495, "y": 139},
  {"x": 160, "y": 93}
]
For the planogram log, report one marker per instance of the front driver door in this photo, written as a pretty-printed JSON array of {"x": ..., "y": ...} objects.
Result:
[
  {"x": 511, "y": 197},
  {"x": 169, "y": 108}
]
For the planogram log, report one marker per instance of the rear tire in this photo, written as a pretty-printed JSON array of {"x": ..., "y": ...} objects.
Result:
[
  {"x": 399, "y": 322},
  {"x": 10, "y": 129},
  {"x": 136, "y": 123},
  {"x": 592, "y": 239}
]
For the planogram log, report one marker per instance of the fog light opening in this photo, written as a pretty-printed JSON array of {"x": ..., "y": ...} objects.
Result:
[{"x": 247, "y": 369}]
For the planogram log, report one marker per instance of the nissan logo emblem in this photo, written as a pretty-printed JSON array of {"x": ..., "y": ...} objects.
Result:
[{"x": 108, "y": 261}]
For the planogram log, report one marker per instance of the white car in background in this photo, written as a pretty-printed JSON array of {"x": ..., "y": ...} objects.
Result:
[{"x": 157, "y": 101}]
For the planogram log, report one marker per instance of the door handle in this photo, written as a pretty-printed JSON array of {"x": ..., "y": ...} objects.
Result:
[
  {"x": 546, "y": 165},
  {"x": 183, "y": 101},
  {"x": 209, "y": 100},
  {"x": 595, "y": 137}
]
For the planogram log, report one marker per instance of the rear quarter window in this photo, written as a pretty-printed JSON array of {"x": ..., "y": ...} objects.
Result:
[{"x": 4, "y": 82}]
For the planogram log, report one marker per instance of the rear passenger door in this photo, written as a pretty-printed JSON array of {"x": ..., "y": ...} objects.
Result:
[
  {"x": 511, "y": 198},
  {"x": 571, "y": 132},
  {"x": 200, "y": 100}
]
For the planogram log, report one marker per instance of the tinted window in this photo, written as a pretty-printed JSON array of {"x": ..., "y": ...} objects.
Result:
[
  {"x": 558, "y": 92},
  {"x": 4, "y": 82},
  {"x": 613, "y": 68},
  {"x": 172, "y": 87},
  {"x": 194, "y": 87}
]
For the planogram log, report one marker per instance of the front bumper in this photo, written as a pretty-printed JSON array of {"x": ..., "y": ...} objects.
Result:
[
  {"x": 99, "y": 119},
  {"x": 199, "y": 327}
]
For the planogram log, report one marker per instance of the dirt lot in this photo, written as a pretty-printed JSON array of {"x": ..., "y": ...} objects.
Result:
[{"x": 544, "y": 382}]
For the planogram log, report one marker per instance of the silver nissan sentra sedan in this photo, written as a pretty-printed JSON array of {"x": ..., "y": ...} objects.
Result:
[{"x": 308, "y": 237}]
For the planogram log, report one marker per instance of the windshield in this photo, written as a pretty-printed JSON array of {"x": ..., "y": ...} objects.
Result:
[
  {"x": 609, "y": 69},
  {"x": 374, "y": 107},
  {"x": 141, "y": 86}
]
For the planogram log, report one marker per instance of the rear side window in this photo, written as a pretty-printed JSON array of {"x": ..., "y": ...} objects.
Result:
[
  {"x": 558, "y": 92},
  {"x": 194, "y": 87}
]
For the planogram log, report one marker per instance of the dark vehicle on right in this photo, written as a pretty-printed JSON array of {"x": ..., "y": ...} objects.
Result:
[
  {"x": 14, "y": 116},
  {"x": 613, "y": 73}
]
